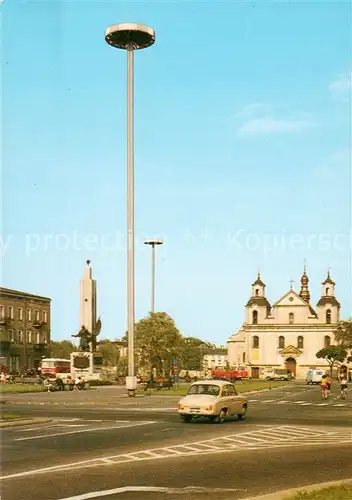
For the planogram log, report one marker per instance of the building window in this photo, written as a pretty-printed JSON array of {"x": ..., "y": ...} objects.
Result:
[
  {"x": 29, "y": 314},
  {"x": 20, "y": 313},
  {"x": 20, "y": 336},
  {"x": 300, "y": 343},
  {"x": 327, "y": 291},
  {"x": 327, "y": 341},
  {"x": 328, "y": 316},
  {"x": 2, "y": 311},
  {"x": 29, "y": 337},
  {"x": 291, "y": 318},
  {"x": 257, "y": 292},
  {"x": 11, "y": 336},
  {"x": 244, "y": 357},
  {"x": 37, "y": 316},
  {"x": 45, "y": 338},
  {"x": 38, "y": 338},
  {"x": 281, "y": 342},
  {"x": 255, "y": 317},
  {"x": 255, "y": 342},
  {"x": 45, "y": 316},
  {"x": 11, "y": 312}
]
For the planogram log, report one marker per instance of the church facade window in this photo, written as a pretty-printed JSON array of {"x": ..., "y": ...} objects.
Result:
[
  {"x": 255, "y": 317},
  {"x": 257, "y": 292},
  {"x": 327, "y": 341},
  {"x": 281, "y": 342},
  {"x": 291, "y": 318},
  {"x": 328, "y": 316},
  {"x": 327, "y": 291},
  {"x": 300, "y": 342},
  {"x": 255, "y": 342}
]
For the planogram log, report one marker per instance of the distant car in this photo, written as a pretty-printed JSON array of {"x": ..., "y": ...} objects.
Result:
[
  {"x": 214, "y": 399},
  {"x": 314, "y": 376},
  {"x": 278, "y": 374}
]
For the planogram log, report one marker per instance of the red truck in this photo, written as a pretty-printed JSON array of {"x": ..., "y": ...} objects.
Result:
[{"x": 236, "y": 373}]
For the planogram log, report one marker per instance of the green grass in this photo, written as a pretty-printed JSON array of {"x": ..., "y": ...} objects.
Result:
[
  {"x": 241, "y": 387},
  {"x": 331, "y": 493},
  {"x": 12, "y": 388}
]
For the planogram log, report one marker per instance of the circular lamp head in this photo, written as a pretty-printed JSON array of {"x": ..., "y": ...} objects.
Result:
[
  {"x": 153, "y": 242},
  {"x": 130, "y": 36}
]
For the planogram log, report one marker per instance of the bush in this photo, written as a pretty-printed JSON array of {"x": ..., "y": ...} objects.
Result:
[{"x": 95, "y": 383}]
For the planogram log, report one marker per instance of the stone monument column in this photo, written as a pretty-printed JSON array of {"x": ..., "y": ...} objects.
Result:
[{"x": 88, "y": 301}]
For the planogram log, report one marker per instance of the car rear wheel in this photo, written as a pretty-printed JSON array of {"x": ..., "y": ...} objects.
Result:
[{"x": 242, "y": 415}]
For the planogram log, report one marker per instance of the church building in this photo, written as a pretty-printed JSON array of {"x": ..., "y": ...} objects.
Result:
[{"x": 288, "y": 333}]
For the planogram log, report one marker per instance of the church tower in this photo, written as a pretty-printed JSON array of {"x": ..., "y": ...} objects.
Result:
[
  {"x": 258, "y": 307},
  {"x": 328, "y": 306},
  {"x": 304, "y": 293}
]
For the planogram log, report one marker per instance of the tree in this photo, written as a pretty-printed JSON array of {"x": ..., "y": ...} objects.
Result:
[
  {"x": 62, "y": 349},
  {"x": 343, "y": 334},
  {"x": 192, "y": 351},
  {"x": 110, "y": 352},
  {"x": 157, "y": 342},
  {"x": 333, "y": 355}
]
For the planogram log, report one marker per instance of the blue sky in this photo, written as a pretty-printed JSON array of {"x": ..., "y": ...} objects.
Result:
[{"x": 242, "y": 155}]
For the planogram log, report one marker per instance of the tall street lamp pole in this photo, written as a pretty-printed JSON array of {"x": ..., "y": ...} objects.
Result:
[
  {"x": 153, "y": 243},
  {"x": 130, "y": 37}
]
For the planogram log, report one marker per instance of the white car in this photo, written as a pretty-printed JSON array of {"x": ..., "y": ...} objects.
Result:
[{"x": 215, "y": 399}]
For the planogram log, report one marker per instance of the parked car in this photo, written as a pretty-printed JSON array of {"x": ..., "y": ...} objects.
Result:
[
  {"x": 277, "y": 374},
  {"x": 314, "y": 376},
  {"x": 214, "y": 399}
]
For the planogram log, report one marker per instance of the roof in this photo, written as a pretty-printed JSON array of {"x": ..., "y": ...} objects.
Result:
[
  {"x": 328, "y": 281},
  {"x": 313, "y": 313},
  {"x": 258, "y": 301},
  {"x": 258, "y": 282},
  {"x": 323, "y": 301},
  {"x": 211, "y": 382},
  {"x": 17, "y": 293}
]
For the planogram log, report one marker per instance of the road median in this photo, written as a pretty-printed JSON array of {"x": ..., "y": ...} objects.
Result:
[{"x": 23, "y": 421}]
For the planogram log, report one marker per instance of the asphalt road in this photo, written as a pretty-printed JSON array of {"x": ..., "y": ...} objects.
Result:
[{"x": 290, "y": 438}]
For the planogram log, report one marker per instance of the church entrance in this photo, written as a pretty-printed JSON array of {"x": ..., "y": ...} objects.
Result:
[
  {"x": 255, "y": 372},
  {"x": 290, "y": 364}
]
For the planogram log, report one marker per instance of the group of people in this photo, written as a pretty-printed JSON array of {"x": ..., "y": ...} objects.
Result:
[
  {"x": 59, "y": 385},
  {"x": 326, "y": 382}
]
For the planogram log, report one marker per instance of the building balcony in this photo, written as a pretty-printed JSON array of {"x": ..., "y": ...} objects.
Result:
[
  {"x": 39, "y": 324},
  {"x": 5, "y": 321}
]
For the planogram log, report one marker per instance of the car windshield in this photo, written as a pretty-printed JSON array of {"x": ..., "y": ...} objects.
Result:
[{"x": 207, "y": 389}]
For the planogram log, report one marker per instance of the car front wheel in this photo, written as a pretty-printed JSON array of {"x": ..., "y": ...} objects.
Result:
[
  {"x": 220, "y": 419},
  {"x": 186, "y": 418},
  {"x": 242, "y": 415}
]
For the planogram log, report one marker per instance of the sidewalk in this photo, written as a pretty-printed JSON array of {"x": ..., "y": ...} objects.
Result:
[{"x": 288, "y": 494}]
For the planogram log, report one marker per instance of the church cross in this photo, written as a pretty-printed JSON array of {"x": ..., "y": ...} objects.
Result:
[{"x": 291, "y": 284}]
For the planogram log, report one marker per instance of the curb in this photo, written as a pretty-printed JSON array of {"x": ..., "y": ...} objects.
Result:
[
  {"x": 24, "y": 421},
  {"x": 286, "y": 494}
]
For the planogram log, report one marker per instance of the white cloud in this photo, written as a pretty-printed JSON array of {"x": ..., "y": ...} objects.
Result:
[
  {"x": 258, "y": 119},
  {"x": 341, "y": 87},
  {"x": 270, "y": 125},
  {"x": 250, "y": 110}
]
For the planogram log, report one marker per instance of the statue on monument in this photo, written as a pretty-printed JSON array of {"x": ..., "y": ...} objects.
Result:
[{"x": 87, "y": 339}]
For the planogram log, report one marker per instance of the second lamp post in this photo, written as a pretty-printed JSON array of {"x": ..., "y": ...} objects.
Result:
[{"x": 153, "y": 243}]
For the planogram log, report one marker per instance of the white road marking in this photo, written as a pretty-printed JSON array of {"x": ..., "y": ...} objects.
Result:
[
  {"x": 269, "y": 438},
  {"x": 95, "y": 429},
  {"x": 153, "y": 489}
]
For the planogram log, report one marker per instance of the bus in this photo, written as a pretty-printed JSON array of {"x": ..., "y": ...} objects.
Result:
[{"x": 54, "y": 366}]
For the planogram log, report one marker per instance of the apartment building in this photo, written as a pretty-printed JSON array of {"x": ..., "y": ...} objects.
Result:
[{"x": 24, "y": 330}]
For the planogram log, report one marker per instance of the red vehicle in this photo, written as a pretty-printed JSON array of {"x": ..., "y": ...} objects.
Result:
[
  {"x": 54, "y": 366},
  {"x": 236, "y": 373}
]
